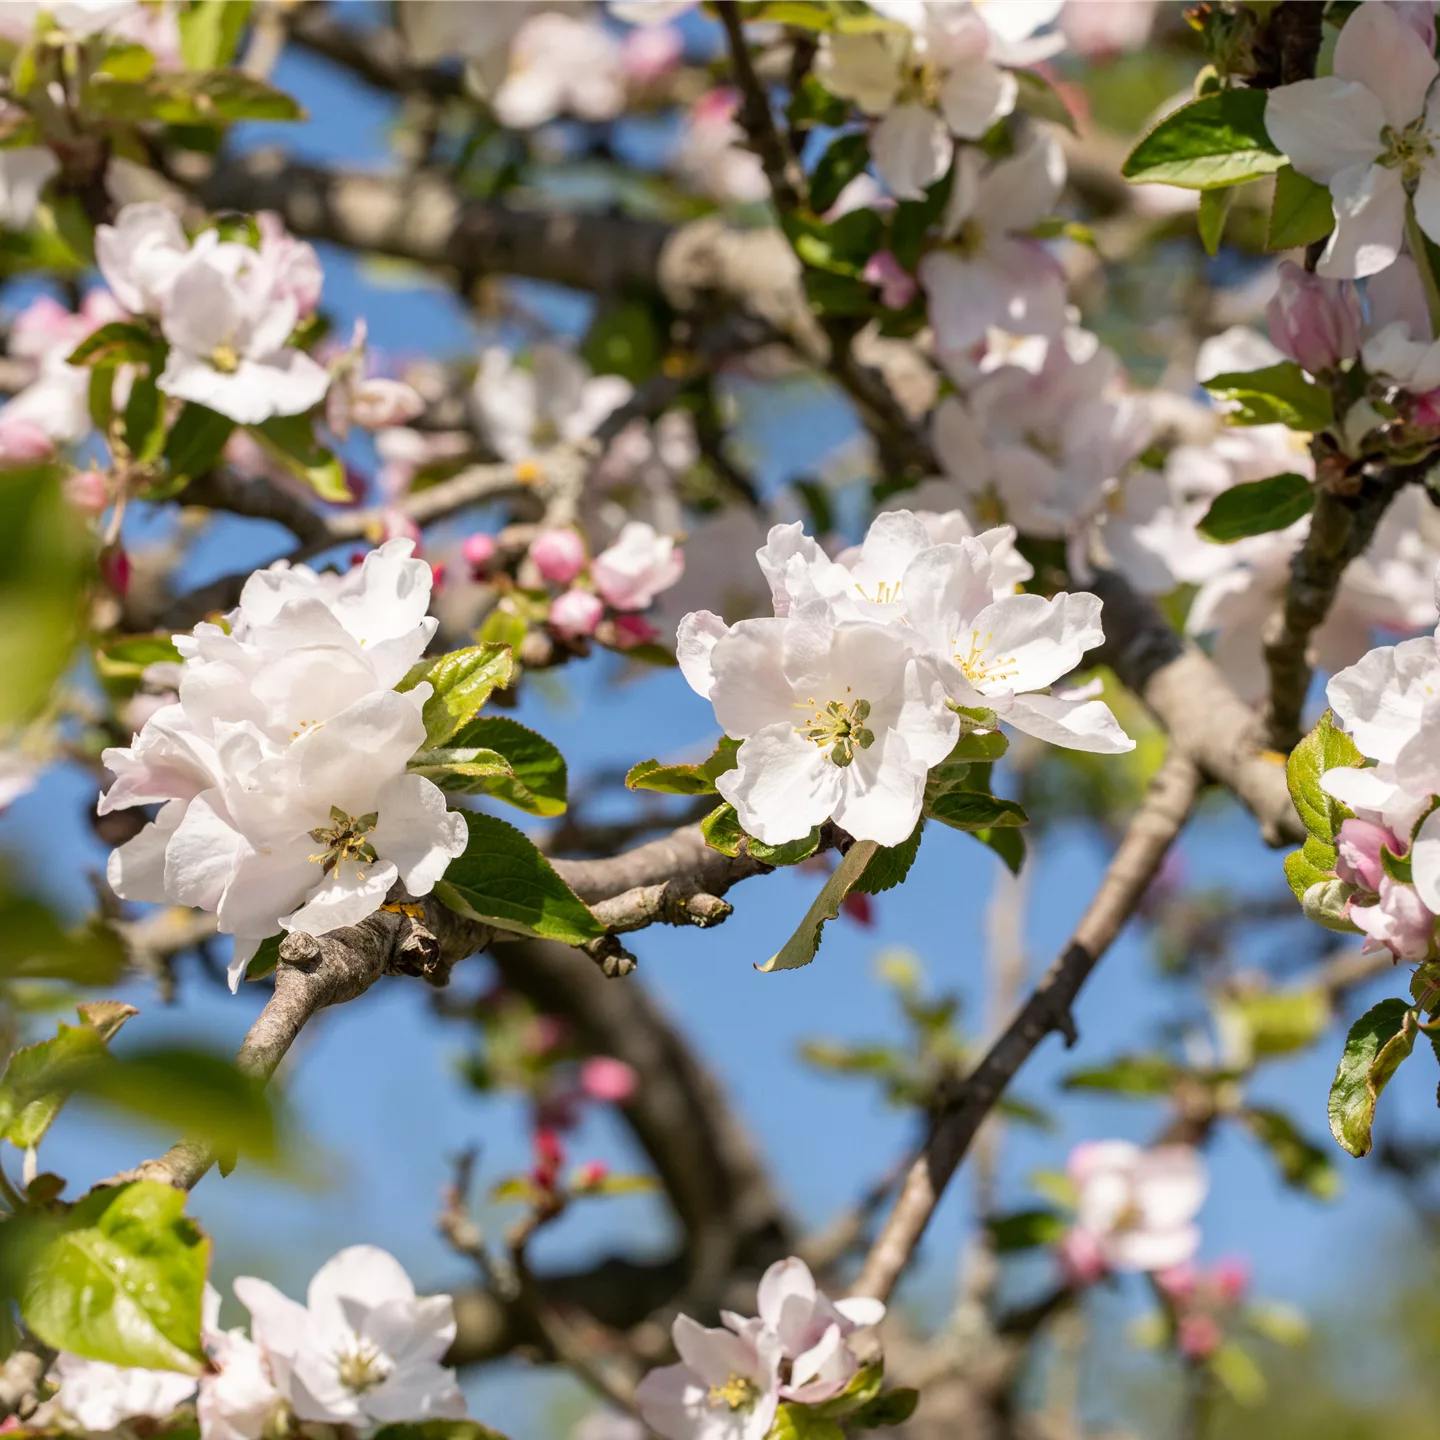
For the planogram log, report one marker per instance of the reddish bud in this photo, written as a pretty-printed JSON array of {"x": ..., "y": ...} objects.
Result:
[
  {"x": 559, "y": 555},
  {"x": 607, "y": 1079}
]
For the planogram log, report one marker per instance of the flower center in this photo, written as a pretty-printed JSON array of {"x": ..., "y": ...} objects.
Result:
[
  {"x": 345, "y": 839},
  {"x": 885, "y": 593},
  {"x": 839, "y": 727},
  {"x": 362, "y": 1368},
  {"x": 737, "y": 1393},
  {"x": 225, "y": 358},
  {"x": 979, "y": 670},
  {"x": 1407, "y": 150},
  {"x": 969, "y": 239}
]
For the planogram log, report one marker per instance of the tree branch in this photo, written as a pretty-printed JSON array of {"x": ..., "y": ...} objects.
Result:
[{"x": 1155, "y": 826}]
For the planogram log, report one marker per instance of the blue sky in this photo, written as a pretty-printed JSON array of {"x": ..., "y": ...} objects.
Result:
[{"x": 374, "y": 1084}]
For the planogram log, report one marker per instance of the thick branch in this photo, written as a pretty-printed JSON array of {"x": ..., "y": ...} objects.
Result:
[
  {"x": 1159, "y": 820},
  {"x": 1341, "y": 526},
  {"x": 1190, "y": 696}
]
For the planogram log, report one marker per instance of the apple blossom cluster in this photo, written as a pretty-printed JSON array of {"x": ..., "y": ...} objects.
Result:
[
  {"x": 281, "y": 768},
  {"x": 1134, "y": 1210},
  {"x": 731, "y": 1381},
  {"x": 1387, "y": 869},
  {"x": 858, "y": 684},
  {"x": 362, "y": 1352}
]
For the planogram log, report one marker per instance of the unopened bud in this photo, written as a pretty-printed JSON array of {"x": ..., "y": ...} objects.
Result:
[
  {"x": 576, "y": 613},
  {"x": 88, "y": 491},
  {"x": 559, "y": 555},
  {"x": 478, "y": 551},
  {"x": 605, "y": 1078},
  {"x": 897, "y": 285},
  {"x": 22, "y": 443},
  {"x": 1316, "y": 322},
  {"x": 1327, "y": 903}
]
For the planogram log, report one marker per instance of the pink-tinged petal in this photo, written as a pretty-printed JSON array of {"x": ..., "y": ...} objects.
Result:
[
  {"x": 1151, "y": 1249},
  {"x": 1087, "y": 725},
  {"x": 1369, "y": 222},
  {"x": 1170, "y": 1186},
  {"x": 425, "y": 1391},
  {"x": 784, "y": 1284},
  {"x": 1093, "y": 1157},
  {"x": 1018, "y": 193},
  {"x": 1326, "y": 126},
  {"x": 1377, "y": 48},
  {"x": 966, "y": 298},
  {"x": 783, "y": 784},
  {"x": 823, "y": 1371}
]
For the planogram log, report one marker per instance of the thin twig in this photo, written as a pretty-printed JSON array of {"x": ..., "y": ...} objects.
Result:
[{"x": 1155, "y": 826}]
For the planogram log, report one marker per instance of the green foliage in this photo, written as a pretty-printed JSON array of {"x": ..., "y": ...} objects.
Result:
[
  {"x": 800, "y": 948},
  {"x": 210, "y": 32},
  {"x": 846, "y": 157},
  {"x": 1211, "y": 215},
  {"x": 1301, "y": 212},
  {"x": 803, "y": 1422},
  {"x": 1326, "y": 747},
  {"x": 1257, "y": 507},
  {"x": 1025, "y": 1230},
  {"x": 503, "y": 880},
  {"x": 1038, "y": 97},
  {"x": 1215, "y": 141},
  {"x": 1138, "y": 1075},
  {"x": 1378, "y": 1042},
  {"x": 196, "y": 441},
  {"x": 1279, "y": 1022},
  {"x": 178, "y": 97},
  {"x": 438, "y": 1430},
  {"x": 685, "y": 779},
  {"x": 459, "y": 769},
  {"x": 535, "y": 780},
  {"x": 36, "y": 945},
  {"x": 290, "y": 439},
  {"x": 1303, "y": 1164},
  {"x": 973, "y": 810},
  {"x": 462, "y": 682},
  {"x": 722, "y": 832},
  {"x": 1277, "y": 395},
  {"x": 625, "y": 340},
  {"x": 121, "y": 342},
  {"x": 120, "y": 1279},
  {"x": 890, "y": 864},
  {"x": 40, "y": 1078}
]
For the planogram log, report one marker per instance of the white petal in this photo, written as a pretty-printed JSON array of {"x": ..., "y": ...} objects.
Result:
[
  {"x": 1028, "y": 642},
  {"x": 1380, "y": 698},
  {"x": 1427, "y": 209},
  {"x": 1377, "y": 48},
  {"x": 1425, "y": 861},
  {"x": 782, "y": 786},
  {"x": 750, "y": 689},
  {"x": 345, "y": 897},
  {"x": 883, "y": 792},
  {"x": 1151, "y": 1250},
  {"x": 976, "y": 94},
  {"x": 1325, "y": 126},
  {"x": 416, "y": 833},
  {"x": 695, "y": 638},
  {"x": 136, "y": 869},
  {"x": 1369, "y": 222},
  {"x": 1074, "y": 724},
  {"x": 203, "y": 854},
  {"x": 911, "y": 149}
]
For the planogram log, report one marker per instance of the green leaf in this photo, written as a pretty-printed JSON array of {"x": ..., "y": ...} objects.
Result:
[
  {"x": 802, "y": 1422},
  {"x": 862, "y": 1389},
  {"x": 1127, "y": 1075},
  {"x": 537, "y": 779},
  {"x": 890, "y": 865},
  {"x": 36, "y": 945},
  {"x": 1257, "y": 507},
  {"x": 1377, "y": 1043},
  {"x": 265, "y": 960},
  {"x": 1326, "y": 747},
  {"x": 1008, "y": 844},
  {"x": 894, "y": 1407},
  {"x": 502, "y": 627},
  {"x": 503, "y": 880},
  {"x": 210, "y": 32},
  {"x": 1301, "y": 212},
  {"x": 1302, "y": 874},
  {"x": 463, "y": 681},
  {"x": 813, "y": 104},
  {"x": 1277, "y": 395},
  {"x": 121, "y": 1280},
  {"x": 975, "y": 810},
  {"x": 832, "y": 294},
  {"x": 40, "y": 1078},
  {"x": 1217, "y": 140},
  {"x": 128, "y": 657},
  {"x": 839, "y": 1059},
  {"x": 1281, "y": 1021},
  {"x": 437, "y": 1430},
  {"x": 722, "y": 832},
  {"x": 196, "y": 1092},
  {"x": 978, "y": 747},
  {"x": 1210, "y": 217},
  {"x": 459, "y": 769},
  {"x": 290, "y": 439},
  {"x": 1302, "y": 1163},
  {"x": 1397, "y": 867},
  {"x": 1233, "y": 1367},
  {"x": 800, "y": 948},
  {"x": 846, "y": 157},
  {"x": 121, "y": 342},
  {"x": 144, "y": 420},
  {"x": 196, "y": 441},
  {"x": 625, "y": 340},
  {"x": 685, "y": 779},
  {"x": 216, "y": 97},
  {"x": 1025, "y": 1230}
]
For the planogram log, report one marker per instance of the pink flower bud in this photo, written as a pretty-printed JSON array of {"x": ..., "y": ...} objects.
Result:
[
  {"x": 559, "y": 555},
  {"x": 115, "y": 570},
  {"x": 478, "y": 551},
  {"x": 1231, "y": 1278},
  {"x": 651, "y": 52},
  {"x": 576, "y": 613},
  {"x": 437, "y": 576},
  {"x": 591, "y": 1174},
  {"x": 607, "y": 1079},
  {"x": 1358, "y": 845},
  {"x": 379, "y": 404},
  {"x": 1179, "y": 1281},
  {"x": 22, "y": 443},
  {"x": 1081, "y": 1261},
  {"x": 1425, "y": 410},
  {"x": 897, "y": 285},
  {"x": 1198, "y": 1336},
  {"x": 1399, "y": 921},
  {"x": 88, "y": 491},
  {"x": 631, "y": 630},
  {"x": 1316, "y": 322}
]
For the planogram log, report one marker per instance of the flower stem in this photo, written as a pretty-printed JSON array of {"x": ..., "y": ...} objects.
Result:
[{"x": 1421, "y": 254}]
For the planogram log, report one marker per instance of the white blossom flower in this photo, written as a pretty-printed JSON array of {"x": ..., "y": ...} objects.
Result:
[
  {"x": 99, "y": 1397},
  {"x": 991, "y": 275},
  {"x": 637, "y": 567},
  {"x": 24, "y": 173},
  {"x": 711, "y": 156},
  {"x": 911, "y": 150},
  {"x": 140, "y": 255},
  {"x": 45, "y": 332},
  {"x": 1399, "y": 342},
  {"x": 364, "y": 1350},
  {"x": 1138, "y": 1206},
  {"x": 1369, "y": 131},
  {"x": 238, "y": 1398},
  {"x": 77, "y": 18},
  {"x": 559, "y": 65},
  {"x": 837, "y": 721},
  {"x": 228, "y": 317},
  {"x": 1002, "y": 655},
  {"x": 726, "y": 1386},
  {"x": 526, "y": 411}
]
